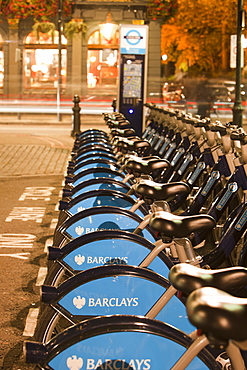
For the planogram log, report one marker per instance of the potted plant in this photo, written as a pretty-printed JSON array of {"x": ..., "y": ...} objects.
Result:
[
  {"x": 44, "y": 27},
  {"x": 73, "y": 27}
]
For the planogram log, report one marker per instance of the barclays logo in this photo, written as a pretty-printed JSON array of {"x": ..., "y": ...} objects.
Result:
[
  {"x": 74, "y": 363},
  {"x": 99, "y": 260},
  {"x": 79, "y": 259},
  {"x": 77, "y": 363},
  {"x": 80, "y": 302}
]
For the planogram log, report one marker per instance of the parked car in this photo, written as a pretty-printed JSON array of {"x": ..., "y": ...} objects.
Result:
[
  {"x": 231, "y": 87},
  {"x": 220, "y": 93},
  {"x": 172, "y": 92}
]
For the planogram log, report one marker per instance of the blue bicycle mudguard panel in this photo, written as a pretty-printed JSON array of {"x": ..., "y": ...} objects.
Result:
[
  {"x": 95, "y": 164},
  {"x": 92, "y": 160},
  {"x": 105, "y": 183},
  {"x": 103, "y": 221},
  {"x": 93, "y": 173},
  {"x": 94, "y": 138},
  {"x": 94, "y": 152},
  {"x": 135, "y": 348},
  {"x": 92, "y": 130},
  {"x": 90, "y": 146},
  {"x": 94, "y": 148},
  {"x": 95, "y": 156},
  {"x": 111, "y": 251},
  {"x": 106, "y": 343},
  {"x": 103, "y": 199},
  {"x": 124, "y": 295},
  {"x": 88, "y": 133}
]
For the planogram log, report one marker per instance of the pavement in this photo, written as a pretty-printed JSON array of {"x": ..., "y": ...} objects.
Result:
[{"x": 39, "y": 145}]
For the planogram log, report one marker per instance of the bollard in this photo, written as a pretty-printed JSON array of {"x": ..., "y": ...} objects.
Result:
[
  {"x": 114, "y": 105},
  {"x": 76, "y": 124}
]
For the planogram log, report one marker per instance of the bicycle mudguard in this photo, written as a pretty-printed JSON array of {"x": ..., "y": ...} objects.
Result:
[
  {"x": 90, "y": 144},
  {"x": 98, "y": 183},
  {"x": 94, "y": 163},
  {"x": 95, "y": 155},
  {"x": 115, "y": 290},
  {"x": 92, "y": 131},
  {"x": 116, "y": 342},
  {"x": 99, "y": 198},
  {"x": 100, "y": 218},
  {"x": 108, "y": 247},
  {"x": 92, "y": 173},
  {"x": 89, "y": 148}
]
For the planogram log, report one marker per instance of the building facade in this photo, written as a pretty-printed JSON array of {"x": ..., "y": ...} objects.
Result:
[{"x": 29, "y": 60}]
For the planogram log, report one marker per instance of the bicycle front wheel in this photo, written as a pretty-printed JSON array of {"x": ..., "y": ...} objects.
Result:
[{"x": 119, "y": 342}]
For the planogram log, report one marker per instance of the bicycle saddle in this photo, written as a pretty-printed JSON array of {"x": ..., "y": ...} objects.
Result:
[
  {"x": 239, "y": 135},
  {"x": 132, "y": 145},
  {"x": 134, "y": 157},
  {"x": 218, "y": 127},
  {"x": 158, "y": 191},
  {"x": 118, "y": 123},
  {"x": 146, "y": 166},
  {"x": 218, "y": 314},
  {"x": 123, "y": 132},
  {"x": 187, "y": 278},
  {"x": 174, "y": 226}
]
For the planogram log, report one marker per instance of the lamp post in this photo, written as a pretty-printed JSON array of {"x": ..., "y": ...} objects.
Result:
[
  {"x": 59, "y": 79},
  {"x": 238, "y": 108}
]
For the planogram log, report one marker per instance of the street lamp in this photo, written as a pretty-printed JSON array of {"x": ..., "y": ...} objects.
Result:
[{"x": 238, "y": 108}]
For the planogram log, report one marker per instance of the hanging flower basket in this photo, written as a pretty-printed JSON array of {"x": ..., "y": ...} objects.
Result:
[
  {"x": 161, "y": 9},
  {"x": 13, "y": 23},
  {"x": 40, "y": 10},
  {"x": 44, "y": 27},
  {"x": 73, "y": 27}
]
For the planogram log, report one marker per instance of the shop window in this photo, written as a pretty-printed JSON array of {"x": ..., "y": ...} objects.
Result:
[
  {"x": 102, "y": 60},
  {"x": 41, "y": 61}
]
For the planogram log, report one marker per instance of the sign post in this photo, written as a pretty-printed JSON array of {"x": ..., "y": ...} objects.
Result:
[
  {"x": 133, "y": 74},
  {"x": 233, "y": 51}
]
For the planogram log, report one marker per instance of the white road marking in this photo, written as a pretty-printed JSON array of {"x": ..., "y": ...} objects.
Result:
[
  {"x": 41, "y": 276},
  {"x": 37, "y": 193},
  {"x": 53, "y": 223},
  {"x": 21, "y": 256},
  {"x": 31, "y": 322},
  {"x": 48, "y": 243},
  {"x": 9, "y": 240},
  {"x": 26, "y": 214},
  {"x": 56, "y": 207}
]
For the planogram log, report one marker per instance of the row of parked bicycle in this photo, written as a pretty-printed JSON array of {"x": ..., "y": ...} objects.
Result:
[{"x": 147, "y": 268}]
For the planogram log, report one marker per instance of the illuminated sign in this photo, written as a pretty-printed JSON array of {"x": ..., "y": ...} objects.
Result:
[{"x": 133, "y": 39}]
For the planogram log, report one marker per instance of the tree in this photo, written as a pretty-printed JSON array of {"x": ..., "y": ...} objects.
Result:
[{"x": 199, "y": 34}]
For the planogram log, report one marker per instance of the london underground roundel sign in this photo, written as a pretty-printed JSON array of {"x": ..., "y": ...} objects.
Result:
[{"x": 133, "y": 39}]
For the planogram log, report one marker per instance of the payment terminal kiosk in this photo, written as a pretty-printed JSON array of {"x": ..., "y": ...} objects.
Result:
[{"x": 133, "y": 74}]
